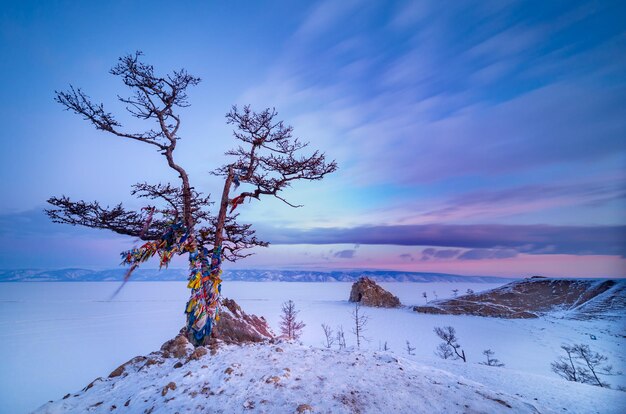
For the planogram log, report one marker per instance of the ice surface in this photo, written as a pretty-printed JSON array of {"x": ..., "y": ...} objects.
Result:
[{"x": 58, "y": 337}]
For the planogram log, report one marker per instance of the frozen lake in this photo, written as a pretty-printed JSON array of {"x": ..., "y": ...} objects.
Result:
[{"x": 58, "y": 337}]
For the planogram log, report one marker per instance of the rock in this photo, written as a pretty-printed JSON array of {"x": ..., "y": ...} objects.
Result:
[
  {"x": 303, "y": 408},
  {"x": 198, "y": 353},
  {"x": 117, "y": 371},
  {"x": 368, "y": 293},
  {"x": 153, "y": 361},
  {"x": 237, "y": 327},
  {"x": 91, "y": 384},
  {"x": 125, "y": 367},
  {"x": 170, "y": 386},
  {"x": 179, "y": 347}
]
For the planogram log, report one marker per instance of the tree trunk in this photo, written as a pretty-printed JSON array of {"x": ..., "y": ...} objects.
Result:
[{"x": 221, "y": 218}]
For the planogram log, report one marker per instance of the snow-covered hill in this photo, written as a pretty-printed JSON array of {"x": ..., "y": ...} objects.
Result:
[
  {"x": 531, "y": 298},
  {"x": 249, "y": 275},
  {"x": 289, "y": 378}
]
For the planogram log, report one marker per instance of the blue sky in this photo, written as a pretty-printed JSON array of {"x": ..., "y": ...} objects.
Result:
[{"x": 476, "y": 137}]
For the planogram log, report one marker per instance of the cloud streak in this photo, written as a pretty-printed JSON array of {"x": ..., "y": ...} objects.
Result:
[
  {"x": 527, "y": 198},
  {"x": 529, "y": 239}
]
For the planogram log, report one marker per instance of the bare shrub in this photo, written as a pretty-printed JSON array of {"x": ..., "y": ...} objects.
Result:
[
  {"x": 492, "y": 362},
  {"x": 409, "y": 348},
  {"x": 448, "y": 336},
  {"x": 360, "y": 321},
  {"x": 289, "y": 326},
  {"x": 581, "y": 364},
  {"x": 328, "y": 336}
]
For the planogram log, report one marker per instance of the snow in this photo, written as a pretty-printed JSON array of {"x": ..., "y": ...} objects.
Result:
[
  {"x": 283, "y": 377},
  {"x": 58, "y": 337}
]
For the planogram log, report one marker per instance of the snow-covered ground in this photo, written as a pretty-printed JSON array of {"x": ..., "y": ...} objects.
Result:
[
  {"x": 57, "y": 337},
  {"x": 287, "y": 378}
]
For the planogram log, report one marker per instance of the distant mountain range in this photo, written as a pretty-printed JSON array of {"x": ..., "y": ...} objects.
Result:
[{"x": 250, "y": 275}]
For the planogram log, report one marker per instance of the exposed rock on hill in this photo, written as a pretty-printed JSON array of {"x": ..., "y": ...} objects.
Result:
[
  {"x": 368, "y": 293},
  {"x": 237, "y": 327},
  {"x": 531, "y": 298}
]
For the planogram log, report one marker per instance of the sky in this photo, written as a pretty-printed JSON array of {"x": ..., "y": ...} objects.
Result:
[{"x": 475, "y": 137}]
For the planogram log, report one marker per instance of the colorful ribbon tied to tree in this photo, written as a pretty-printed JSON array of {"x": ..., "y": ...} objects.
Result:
[
  {"x": 205, "y": 281},
  {"x": 203, "y": 308}
]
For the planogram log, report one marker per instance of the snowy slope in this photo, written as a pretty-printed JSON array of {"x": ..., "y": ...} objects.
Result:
[
  {"x": 531, "y": 298},
  {"x": 288, "y": 378}
]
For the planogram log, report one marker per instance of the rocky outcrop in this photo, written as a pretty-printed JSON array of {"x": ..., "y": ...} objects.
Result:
[
  {"x": 531, "y": 298},
  {"x": 237, "y": 327},
  {"x": 368, "y": 293}
]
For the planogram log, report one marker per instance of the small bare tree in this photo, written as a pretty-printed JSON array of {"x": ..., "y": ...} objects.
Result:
[
  {"x": 360, "y": 321},
  {"x": 444, "y": 351},
  {"x": 435, "y": 295},
  {"x": 492, "y": 362},
  {"x": 469, "y": 291},
  {"x": 455, "y": 292},
  {"x": 425, "y": 295},
  {"x": 386, "y": 347},
  {"x": 564, "y": 366},
  {"x": 448, "y": 336},
  {"x": 341, "y": 337},
  {"x": 583, "y": 365},
  {"x": 409, "y": 348},
  {"x": 328, "y": 336},
  {"x": 290, "y": 327}
]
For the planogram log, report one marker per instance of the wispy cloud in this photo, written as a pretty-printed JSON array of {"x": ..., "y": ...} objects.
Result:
[
  {"x": 523, "y": 199},
  {"x": 452, "y": 98},
  {"x": 345, "y": 254},
  {"x": 529, "y": 239},
  {"x": 431, "y": 253}
]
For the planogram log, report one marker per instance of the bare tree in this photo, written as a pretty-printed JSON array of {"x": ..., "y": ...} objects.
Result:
[
  {"x": 492, "y": 362},
  {"x": 386, "y": 347},
  {"x": 564, "y": 366},
  {"x": 328, "y": 336},
  {"x": 581, "y": 364},
  {"x": 409, "y": 348},
  {"x": 444, "y": 351},
  {"x": 435, "y": 295},
  {"x": 448, "y": 336},
  {"x": 455, "y": 292},
  {"x": 290, "y": 327},
  {"x": 469, "y": 291},
  {"x": 425, "y": 295},
  {"x": 177, "y": 219},
  {"x": 341, "y": 337},
  {"x": 360, "y": 321}
]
